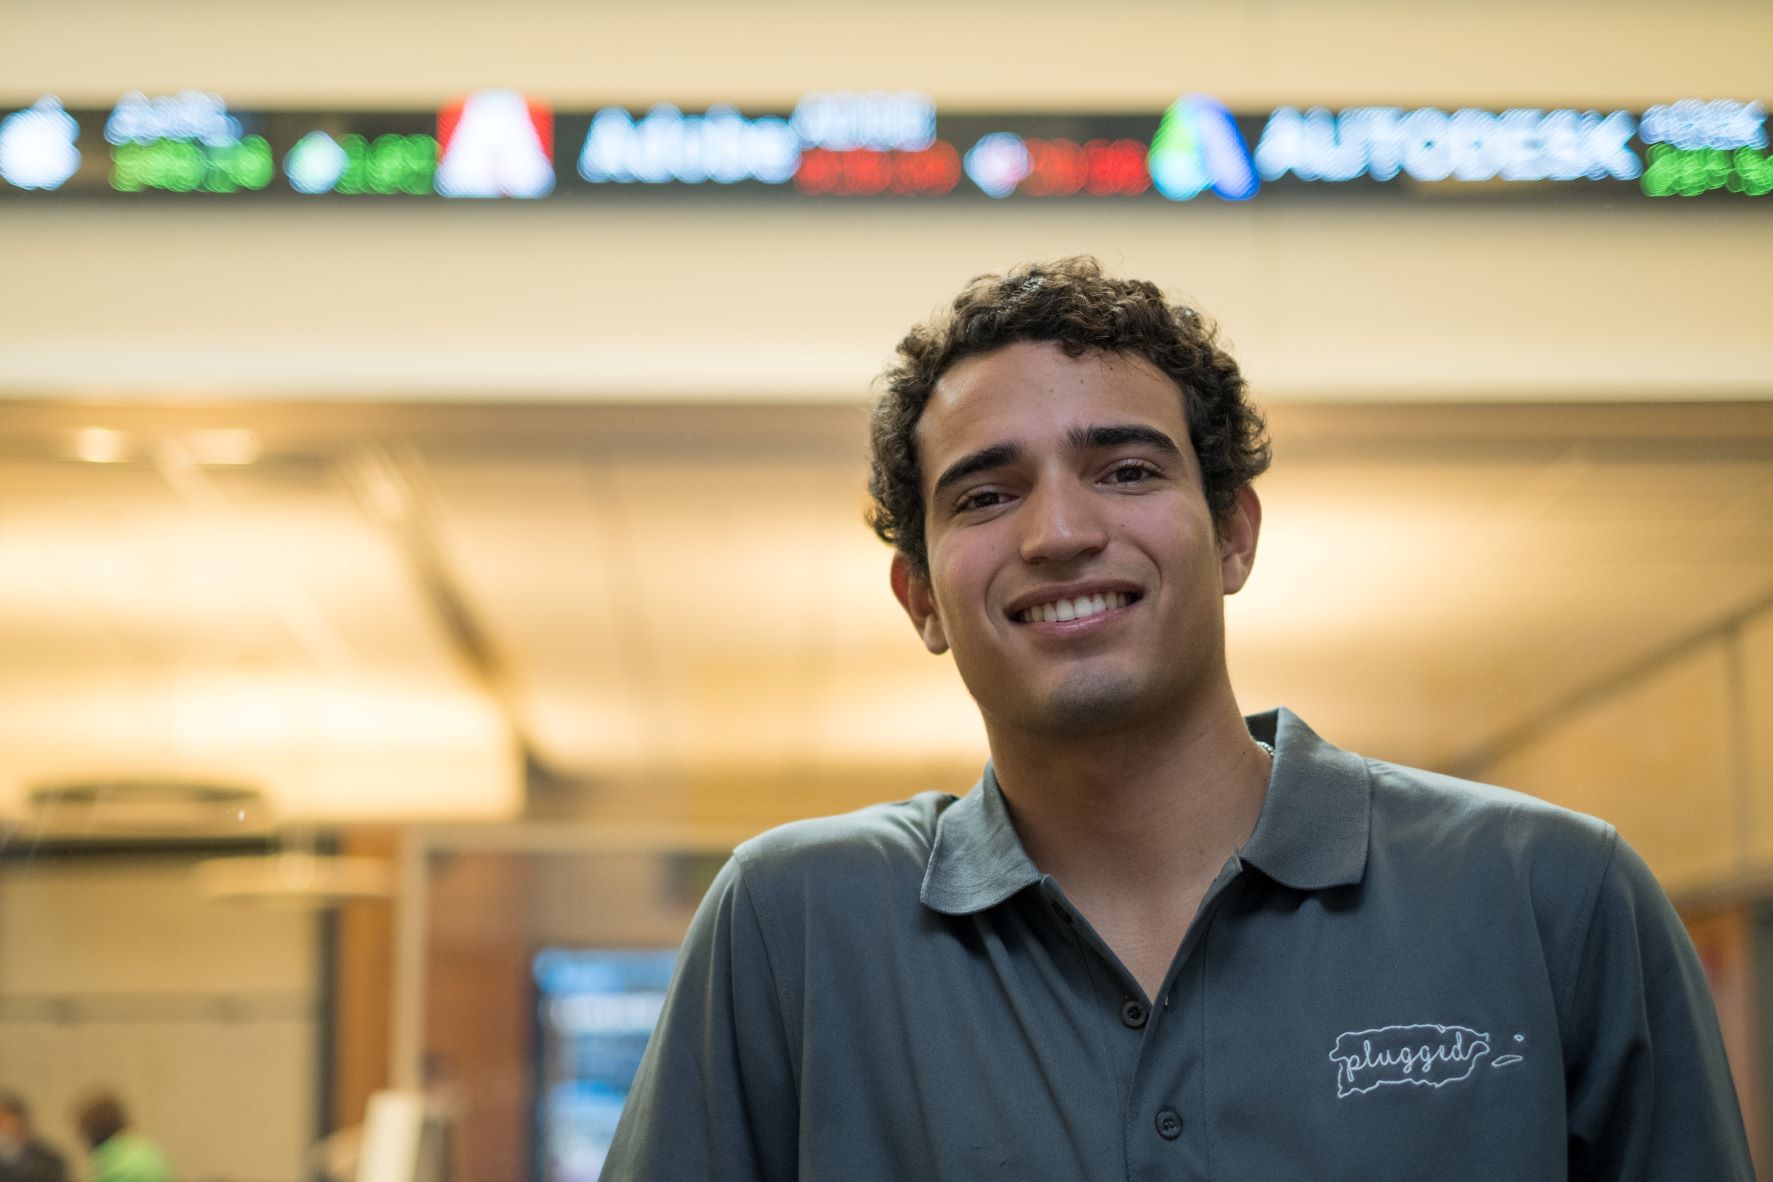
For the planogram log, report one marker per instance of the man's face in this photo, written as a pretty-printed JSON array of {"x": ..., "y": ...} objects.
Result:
[{"x": 1074, "y": 569}]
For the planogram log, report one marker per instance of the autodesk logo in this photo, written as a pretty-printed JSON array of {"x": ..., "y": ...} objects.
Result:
[
  {"x": 1430, "y": 145},
  {"x": 1198, "y": 146}
]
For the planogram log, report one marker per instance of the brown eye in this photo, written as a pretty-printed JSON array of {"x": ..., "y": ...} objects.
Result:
[
  {"x": 1130, "y": 473},
  {"x": 983, "y": 499}
]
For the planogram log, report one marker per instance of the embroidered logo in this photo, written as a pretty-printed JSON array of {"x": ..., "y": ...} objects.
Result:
[{"x": 1429, "y": 1055}]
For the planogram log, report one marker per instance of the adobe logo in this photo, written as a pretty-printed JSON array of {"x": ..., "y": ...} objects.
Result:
[{"x": 495, "y": 143}]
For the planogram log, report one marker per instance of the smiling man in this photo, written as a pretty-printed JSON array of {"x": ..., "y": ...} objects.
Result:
[{"x": 1157, "y": 939}]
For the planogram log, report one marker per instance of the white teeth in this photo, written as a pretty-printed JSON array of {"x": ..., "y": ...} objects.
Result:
[{"x": 1080, "y": 608}]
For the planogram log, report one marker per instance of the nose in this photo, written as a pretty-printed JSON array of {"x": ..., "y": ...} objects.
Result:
[{"x": 1061, "y": 521}]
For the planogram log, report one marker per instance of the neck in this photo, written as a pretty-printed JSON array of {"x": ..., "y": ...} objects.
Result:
[{"x": 1129, "y": 813}]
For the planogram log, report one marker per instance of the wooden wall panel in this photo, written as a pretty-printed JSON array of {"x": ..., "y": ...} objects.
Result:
[
  {"x": 363, "y": 989},
  {"x": 478, "y": 1026}
]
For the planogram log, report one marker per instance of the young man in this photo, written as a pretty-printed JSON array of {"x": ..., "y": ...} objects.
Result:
[
  {"x": 1157, "y": 940},
  {"x": 115, "y": 1154},
  {"x": 23, "y": 1156}
]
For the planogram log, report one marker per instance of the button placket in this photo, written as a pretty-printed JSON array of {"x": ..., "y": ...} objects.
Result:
[{"x": 1169, "y": 1079}]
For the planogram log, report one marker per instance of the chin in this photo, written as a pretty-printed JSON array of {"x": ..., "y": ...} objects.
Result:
[{"x": 1093, "y": 707}]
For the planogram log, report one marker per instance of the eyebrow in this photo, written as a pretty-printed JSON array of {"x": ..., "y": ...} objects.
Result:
[
  {"x": 1120, "y": 435},
  {"x": 1098, "y": 438},
  {"x": 986, "y": 458}
]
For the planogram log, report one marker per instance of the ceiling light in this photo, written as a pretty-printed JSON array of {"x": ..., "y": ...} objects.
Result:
[{"x": 99, "y": 445}]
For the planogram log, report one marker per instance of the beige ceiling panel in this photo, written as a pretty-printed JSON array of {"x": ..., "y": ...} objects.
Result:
[
  {"x": 1460, "y": 599},
  {"x": 695, "y": 615},
  {"x": 687, "y": 614},
  {"x": 250, "y": 626},
  {"x": 205, "y": 568},
  {"x": 1656, "y": 759},
  {"x": 317, "y": 750},
  {"x": 542, "y": 560}
]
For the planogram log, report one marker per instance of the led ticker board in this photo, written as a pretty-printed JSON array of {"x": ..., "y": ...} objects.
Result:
[{"x": 885, "y": 146}]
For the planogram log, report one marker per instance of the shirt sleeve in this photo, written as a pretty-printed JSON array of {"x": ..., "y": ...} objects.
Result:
[
  {"x": 1648, "y": 1087},
  {"x": 715, "y": 1098}
]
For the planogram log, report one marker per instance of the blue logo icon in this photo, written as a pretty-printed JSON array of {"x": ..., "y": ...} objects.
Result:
[{"x": 1198, "y": 146}]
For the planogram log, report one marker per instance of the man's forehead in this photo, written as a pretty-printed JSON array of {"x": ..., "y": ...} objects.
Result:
[
  {"x": 1018, "y": 361},
  {"x": 1036, "y": 389}
]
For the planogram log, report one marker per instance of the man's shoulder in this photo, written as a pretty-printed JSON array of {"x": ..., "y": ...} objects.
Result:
[
  {"x": 1485, "y": 829},
  {"x": 1412, "y": 794},
  {"x": 879, "y": 844}
]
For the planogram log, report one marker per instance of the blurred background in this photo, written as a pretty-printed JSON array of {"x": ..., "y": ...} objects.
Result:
[{"x": 431, "y": 482}]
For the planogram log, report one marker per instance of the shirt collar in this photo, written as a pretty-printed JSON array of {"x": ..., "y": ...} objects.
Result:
[
  {"x": 976, "y": 861},
  {"x": 1311, "y": 834}
]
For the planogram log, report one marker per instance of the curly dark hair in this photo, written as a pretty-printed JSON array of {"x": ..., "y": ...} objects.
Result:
[
  {"x": 99, "y": 1118},
  {"x": 1071, "y": 302}
]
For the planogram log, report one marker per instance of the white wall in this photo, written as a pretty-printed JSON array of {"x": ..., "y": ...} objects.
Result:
[
  {"x": 569, "y": 302},
  {"x": 1034, "y": 54},
  {"x": 117, "y": 973}
]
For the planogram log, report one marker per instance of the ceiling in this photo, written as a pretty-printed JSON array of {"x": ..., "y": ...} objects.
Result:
[{"x": 676, "y": 614}]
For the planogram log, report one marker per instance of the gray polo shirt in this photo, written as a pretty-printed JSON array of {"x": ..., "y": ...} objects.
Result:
[{"x": 1399, "y": 976}]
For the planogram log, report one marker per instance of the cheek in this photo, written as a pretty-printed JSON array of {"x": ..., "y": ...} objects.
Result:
[
  {"x": 953, "y": 558},
  {"x": 956, "y": 597},
  {"x": 963, "y": 576}
]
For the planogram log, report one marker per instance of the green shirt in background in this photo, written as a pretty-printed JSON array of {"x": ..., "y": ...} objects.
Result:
[{"x": 128, "y": 1158}]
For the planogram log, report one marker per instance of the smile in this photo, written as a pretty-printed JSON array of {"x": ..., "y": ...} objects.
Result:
[{"x": 1081, "y": 608}]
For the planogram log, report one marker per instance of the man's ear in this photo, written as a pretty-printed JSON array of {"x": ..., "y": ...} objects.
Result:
[
  {"x": 912, "y": 591},
  {"x": 1237, "y": 540}
]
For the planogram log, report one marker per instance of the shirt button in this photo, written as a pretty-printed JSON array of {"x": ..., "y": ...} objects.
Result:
[
  {"x": 1169, "y": 1124},
  {"x": 1133, "y": 1013}
]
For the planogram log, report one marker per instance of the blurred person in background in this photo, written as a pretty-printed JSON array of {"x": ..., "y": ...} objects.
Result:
[
  {"x": 116, "y": 1154},
  {"x": 23, "y": 1157},
  {"x": 1157, "y": 939}
]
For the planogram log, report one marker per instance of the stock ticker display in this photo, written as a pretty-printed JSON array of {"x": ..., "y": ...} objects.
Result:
[{"x": 502, "y": 144}]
